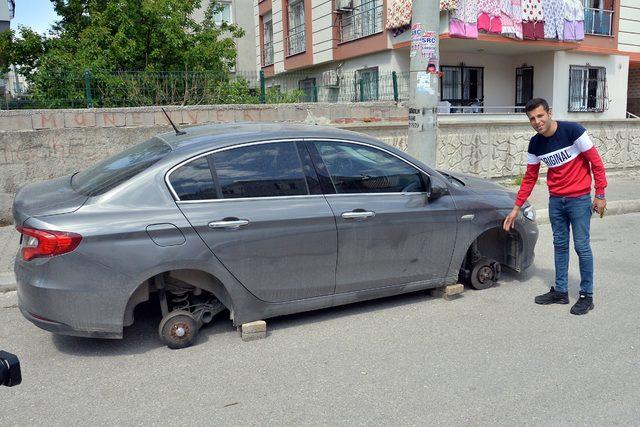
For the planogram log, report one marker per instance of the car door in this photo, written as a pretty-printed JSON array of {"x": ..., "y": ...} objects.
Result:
[
  {"x": 389, "y": 231},
  {"x": 263, "y": 215}
]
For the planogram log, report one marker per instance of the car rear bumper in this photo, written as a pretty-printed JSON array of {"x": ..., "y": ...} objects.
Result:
[
  {"x": 70, "y": 297},
  {"x": 62, "y": 329}
]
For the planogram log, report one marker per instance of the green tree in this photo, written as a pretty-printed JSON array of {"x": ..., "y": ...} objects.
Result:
[{"x": 138, "y": 52}]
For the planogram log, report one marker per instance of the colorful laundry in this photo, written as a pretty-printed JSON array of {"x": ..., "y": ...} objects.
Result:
[
  {"x": 553, "y": 19},
  {"x": 398, "y": 14},
  {"x": 511, "y": 17},
  {"x": 448, "y": 5},
  {"x": 489, "y": 19},
  {"x": 573, "y": 20}
]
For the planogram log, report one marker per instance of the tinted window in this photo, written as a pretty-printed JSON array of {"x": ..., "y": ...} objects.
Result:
[
  {"x": 262, "y": 170},
  {"x": 117, "y": 169},
  {"x": 360, "y": 169},
  {"x": 193, "y": 181}
]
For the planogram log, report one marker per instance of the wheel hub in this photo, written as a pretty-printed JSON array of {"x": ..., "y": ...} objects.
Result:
[
  {"x": 485, "y": 274},
  {"x": 180, "y": 330}
]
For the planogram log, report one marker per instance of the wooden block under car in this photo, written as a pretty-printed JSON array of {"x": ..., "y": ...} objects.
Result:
[{"x": 448, "y": 292}]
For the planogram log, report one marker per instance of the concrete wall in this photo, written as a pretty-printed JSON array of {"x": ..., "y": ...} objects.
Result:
[
  {"x": 42, "y": 144},
  {"x": 498, "y": 148}
]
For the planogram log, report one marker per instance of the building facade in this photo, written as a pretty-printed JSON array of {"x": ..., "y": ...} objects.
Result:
[
  {"x": 317, "y": 46},
  {"x": 236, "y": 12},
  {"x": 7, "y": 12}
]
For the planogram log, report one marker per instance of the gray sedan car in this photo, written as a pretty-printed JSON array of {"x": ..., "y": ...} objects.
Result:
[{"x": 261, "y": 220}]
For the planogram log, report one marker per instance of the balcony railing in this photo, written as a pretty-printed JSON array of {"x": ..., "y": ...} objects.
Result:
[
  {"x": 267, "y": 54},
  {"x": 598, "y": 22},
  {"x": 296, "y": 40},
  {"x": 361, "y": 22}
]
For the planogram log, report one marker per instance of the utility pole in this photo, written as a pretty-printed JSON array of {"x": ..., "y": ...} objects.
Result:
[{"x": 424, "y": 88}]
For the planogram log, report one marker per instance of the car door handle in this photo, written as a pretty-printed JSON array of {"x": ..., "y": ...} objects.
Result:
[
  {"x": 229, "y": 223},
  {"x": 360, "y": 214}
]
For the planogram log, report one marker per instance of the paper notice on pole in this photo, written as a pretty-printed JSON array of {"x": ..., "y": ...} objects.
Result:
[
  {"x": 428, "y": 42},
  {"x": 422, "y": 84},
  {"x": 416, "y": 42}
]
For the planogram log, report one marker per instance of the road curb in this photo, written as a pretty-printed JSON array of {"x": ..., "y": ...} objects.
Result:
[{"x": 616, "y": 207}]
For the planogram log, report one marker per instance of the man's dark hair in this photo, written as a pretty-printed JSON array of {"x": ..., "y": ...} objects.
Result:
[{"x": 535, "y": 103}]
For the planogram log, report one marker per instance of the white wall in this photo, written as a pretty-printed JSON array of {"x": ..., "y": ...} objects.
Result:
[
  {"x": 542, "y": 63},
  {"x": 322, "y": 27},
  {"x": 629, "y": 29},
  {"x": 499, "y": 75},
  {"x": 278, "y": 36},
  {"x": 617, "y": 74},
  {"x": 4, "y": 11}
]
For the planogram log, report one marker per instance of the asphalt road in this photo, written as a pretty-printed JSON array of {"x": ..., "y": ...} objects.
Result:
[{"x": 489, "y": 357}]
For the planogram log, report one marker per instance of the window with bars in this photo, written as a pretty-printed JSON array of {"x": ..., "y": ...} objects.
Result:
[
  {"x": 296, "y": 39},
  {"x": 309, "y": 90},
  {"x": 267, "y": 33},
  {"x": 363, "y": 20},
  {"x": 367, "y": 84},
  {"x": 587, "y": 89},
  {"x": 462, "y": 85}
]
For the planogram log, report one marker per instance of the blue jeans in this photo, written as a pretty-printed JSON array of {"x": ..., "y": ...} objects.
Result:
[{"x": 575, "y": 212}]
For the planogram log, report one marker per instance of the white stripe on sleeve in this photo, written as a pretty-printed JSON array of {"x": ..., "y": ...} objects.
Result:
[
  {"x": 583, "y": 143},
  {"x": 532, "y": 159}
]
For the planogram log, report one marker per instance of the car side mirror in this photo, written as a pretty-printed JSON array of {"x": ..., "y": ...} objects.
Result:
[{"x": 434, "y": 188}]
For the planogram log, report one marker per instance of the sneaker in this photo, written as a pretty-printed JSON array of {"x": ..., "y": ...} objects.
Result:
[
  {"x": 553, "y": 297},
  {"x": 583, "y": 305}
]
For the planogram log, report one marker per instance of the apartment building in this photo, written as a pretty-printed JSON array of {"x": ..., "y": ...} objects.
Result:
[
  {"x": 237, "y": 12},
  {"x": 7, "y": 12},
  {"x": 343, "y": 50}
]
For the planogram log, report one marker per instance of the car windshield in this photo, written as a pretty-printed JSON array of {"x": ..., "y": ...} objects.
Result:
[{"x": 123, "y": 166}]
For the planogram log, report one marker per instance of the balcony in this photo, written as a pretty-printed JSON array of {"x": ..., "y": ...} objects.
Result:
[
  {"x": 296, "y": 40},
  {"x": 267, "y": 54},
  {"x": 598, "y": 22},
  {"x": 362, "y": 21}
]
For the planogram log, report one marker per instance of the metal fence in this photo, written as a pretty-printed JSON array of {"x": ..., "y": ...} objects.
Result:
[{"x": 135, "y": 88}]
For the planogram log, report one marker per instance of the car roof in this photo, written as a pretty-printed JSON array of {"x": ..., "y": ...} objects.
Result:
[{"x": 221, "y": 135}]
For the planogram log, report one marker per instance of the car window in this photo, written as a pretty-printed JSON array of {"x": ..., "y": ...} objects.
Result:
[
  {"x": 193, "y": 181},
  {"x": 261, "y": 170},
  {"x": 358, "y": 168},
  {"x": 115, "y": 170}
]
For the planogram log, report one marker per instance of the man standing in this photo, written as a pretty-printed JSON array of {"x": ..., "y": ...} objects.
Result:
[{"x": 571, "y": 158}]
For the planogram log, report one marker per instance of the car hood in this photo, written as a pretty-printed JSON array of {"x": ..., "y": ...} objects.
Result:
[
  {"x": 52, "y": 197},
  {"x": 481, "y": 185}
]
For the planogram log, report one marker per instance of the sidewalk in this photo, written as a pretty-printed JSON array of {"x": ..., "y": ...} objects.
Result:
[{"x": 623, "y": 196}]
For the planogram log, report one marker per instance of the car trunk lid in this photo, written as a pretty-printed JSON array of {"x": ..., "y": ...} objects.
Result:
[{"x": 52, "y": 197}]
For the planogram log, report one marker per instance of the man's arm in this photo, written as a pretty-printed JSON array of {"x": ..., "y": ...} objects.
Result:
[
  {"x": 528, "y": 183},
  {"x": 590, "y": 152}
]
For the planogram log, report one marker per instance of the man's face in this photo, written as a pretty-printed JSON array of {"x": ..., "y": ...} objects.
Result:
[{"x": 540, "y": 119}]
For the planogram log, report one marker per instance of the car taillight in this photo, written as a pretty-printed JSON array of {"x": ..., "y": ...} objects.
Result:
[{"x": 47, "y": 243}]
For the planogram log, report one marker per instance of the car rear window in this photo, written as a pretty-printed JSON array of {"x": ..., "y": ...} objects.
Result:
[{"x": 123, "y": 166}]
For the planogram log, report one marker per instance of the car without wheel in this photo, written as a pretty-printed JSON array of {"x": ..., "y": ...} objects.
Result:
[{"x": 257, "y": 220}]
